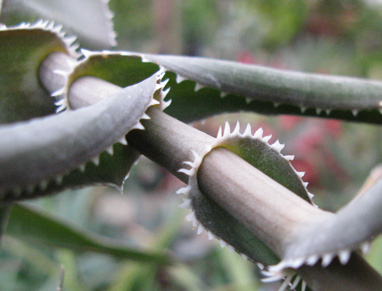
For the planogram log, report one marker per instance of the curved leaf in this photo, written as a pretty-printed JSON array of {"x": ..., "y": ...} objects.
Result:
[
  {"x": 265, "y": 212},
  {"x": 38, "y": 151},
  {"x": 118, "y": 68},
  {"x": 209, "y": 215},
  {"x": 32, "y": 225},
  {"x": 350, "y": 229},
  {"x": 22, "y": 49},
  {"x": 265, "y": 90},
  {"x": 90, "y": 20}
]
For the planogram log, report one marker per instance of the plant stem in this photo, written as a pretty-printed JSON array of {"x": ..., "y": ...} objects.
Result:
[{"x": 267, "y": 208}]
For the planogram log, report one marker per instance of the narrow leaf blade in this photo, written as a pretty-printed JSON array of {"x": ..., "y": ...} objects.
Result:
[{"x": 31, "y": 225}]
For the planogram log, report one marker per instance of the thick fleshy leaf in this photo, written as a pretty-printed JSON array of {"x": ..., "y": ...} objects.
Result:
[
  {"x": 118, "y": 68},
  {"x": 37, "y": 152},
  {"x": 163, "y": 132},
  {"x": 209, "y": 215},
  {"x": 32, "y": 225},
  {"x": 22, "y": 49},
  {"x": 247, "y": 210},
  {"x": 350, "y": 229},
  {"x": 265, "y": 90},
  {"x": 90, "y": 20}
]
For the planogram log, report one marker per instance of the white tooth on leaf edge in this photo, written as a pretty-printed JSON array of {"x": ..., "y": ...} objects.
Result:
[
  {"x": 224, "y": 94},
  {"x": 236, "y": 131},
  {"x": 248, "y": 130},
  {"x": 223, "y": 243},
  {"x": 259, "y": 133},
  {"x": 267, "y": 138},
  {"x": 82, "y": 167},
  {"x": 296, "y": 263},
  {"x": 164, "y": 82},
  {"x": 123, "y": 141},
  {"x": 227, "y": 129},
  {"x": 355, "y": 112},
  {"x": 198, "y": 87},
  {"x": 110, "y": 150},
  {"x": 220, "y": 134},
  {"x": 300, "y": 174},
  {"x": 231, "y": 249},
  {"x": 344, "y": 256},
  {"x": 191, "y": 164},
  {"x": 197, "y": 158},
  {"x": 58, "y": 92},
  {"x": 210, "y": 235},
  {"x": 187, "y": 172},
  {"x": 184, "y": 190},
  {"x": 186, "y": 203},
  {"x": 245, "y": 258},
  {"x": 277, "y": 146},
  {"x": 248, "y": 100},
  {"x": 200, "y": 229},
  {"x": 191, "y": 217},
  {"x": 154, "y": 102},
  {"x": 71, "y": 39},
  {"x": 289, "y": 157},
  {"x": 95, "y": 160},
  {"x": 139, "y": 126},
  {"x": 61, "y": 102},
  {"x": 327, "y": 259},
  {"x": 312, "y": 260},
  {"x": 145, "y": 116}
]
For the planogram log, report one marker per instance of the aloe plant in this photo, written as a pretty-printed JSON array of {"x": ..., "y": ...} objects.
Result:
[{"x": 113, "y": 106}]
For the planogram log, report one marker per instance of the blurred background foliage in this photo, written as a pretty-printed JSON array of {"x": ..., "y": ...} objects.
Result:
[{"x": 322, "y": 36}]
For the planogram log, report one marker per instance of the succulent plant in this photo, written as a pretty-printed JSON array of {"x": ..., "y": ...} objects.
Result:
[{"x": 113, "y": 106}]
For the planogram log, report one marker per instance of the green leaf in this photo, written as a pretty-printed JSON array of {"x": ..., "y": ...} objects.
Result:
[
  {"x": 265, "y": 90},
  {"x": 4, "y": 216},
  {"x": 22, "y": 50},
  {"x": 40, "y": 151},
  {"x": 34, "y": 226},
  {"x": 90, "y": 20},
  {"x": 118, "y": 68}
]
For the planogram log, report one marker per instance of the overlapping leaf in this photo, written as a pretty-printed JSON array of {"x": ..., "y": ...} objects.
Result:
[
  {"x": 38, "y": 151},
  {"x": 22, "y": 50},
  {"x": 88, "y": 19},
  {"x": 265, "y": 90}
]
